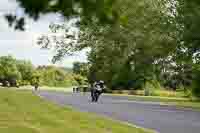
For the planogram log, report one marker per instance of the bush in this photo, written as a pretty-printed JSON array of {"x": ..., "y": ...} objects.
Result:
[
  {"x": 196, "y": 91},
  {"x": 196, "y": 83},
  {"x": 57, "y": 77},
  {"x": 136, "y": 92},
  {"x": 108, "y": 90}
]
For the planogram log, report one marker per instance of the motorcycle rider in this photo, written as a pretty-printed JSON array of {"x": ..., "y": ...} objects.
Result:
[{"x": 97, "y": 90}]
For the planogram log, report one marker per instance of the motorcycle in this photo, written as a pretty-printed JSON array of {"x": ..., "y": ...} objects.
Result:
[{"x": 95, "y": 95}]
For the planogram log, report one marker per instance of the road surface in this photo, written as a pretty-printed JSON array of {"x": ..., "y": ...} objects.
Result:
[{"x": 162, "y": 118}]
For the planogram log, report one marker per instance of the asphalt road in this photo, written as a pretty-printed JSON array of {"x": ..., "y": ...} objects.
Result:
[{"x": 162, "y": 118}]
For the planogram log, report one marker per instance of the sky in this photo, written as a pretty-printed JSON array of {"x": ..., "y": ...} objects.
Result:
[{"x": 22, "y": 45}]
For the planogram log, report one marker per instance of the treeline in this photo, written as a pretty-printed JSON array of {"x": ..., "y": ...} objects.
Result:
[
  {"x": 164, "y": 76},
  {"x": 155, "y": 42},
  {"x": 15, "y": 72}
]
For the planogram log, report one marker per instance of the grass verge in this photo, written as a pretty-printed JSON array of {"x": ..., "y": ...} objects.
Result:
[
  {"x": 23, "y": 112},
  {"x": 63, "y": 89},
  {"x": 179, "y": 102}
]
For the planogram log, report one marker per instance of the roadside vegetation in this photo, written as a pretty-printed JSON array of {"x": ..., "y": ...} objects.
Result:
[
  {"x": 179, "y": 102},
  {"x": 35, "y": 115},
  {"x": 18, "y": 73}
]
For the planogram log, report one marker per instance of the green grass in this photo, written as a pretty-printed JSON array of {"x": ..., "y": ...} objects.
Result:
[
  {"x": 153, "y": 92},
  {"x": 176, "y": 101},
  {"x": 65, "y": 89},
  {"x": 23, "y": 112},
  {"x": 188, "y": 104}
]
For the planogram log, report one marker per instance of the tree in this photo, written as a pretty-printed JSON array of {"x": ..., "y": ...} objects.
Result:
[
  {"x": 196, "y": 84},
  {"x": 86, "y": 10},
  {"x": 187, "y": 54},
  {"x": 8, "y": 70},
  {"x": 26, "y": 69},
  {"x": 80, "y": 79},
  {"x": 81, "y": 68},
  {"x": 53, "y": 76},
  {"x": 36, "y": 78},
  {"x": 129, "y": 50}
]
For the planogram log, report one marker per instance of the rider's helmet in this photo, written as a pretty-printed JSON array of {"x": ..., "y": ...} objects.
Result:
[{"x": 101, "y": 82}]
